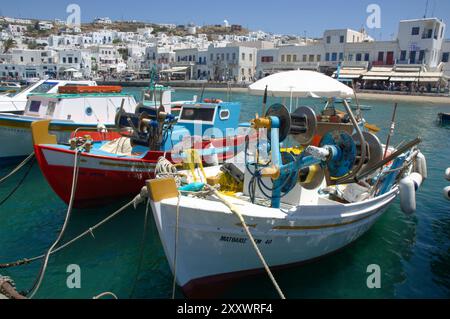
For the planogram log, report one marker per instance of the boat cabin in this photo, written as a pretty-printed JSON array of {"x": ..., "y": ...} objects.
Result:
[
  {"x": 80, "y": 108},
  {"x": 153, "y": 97},
  {"x": 214, "y": 120}
]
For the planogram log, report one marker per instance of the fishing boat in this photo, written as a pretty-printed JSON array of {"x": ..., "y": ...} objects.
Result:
[
  {"x": 113, "y": 169},
  {"x": 10, "y": 87},
  {"x": 285, "y": 208},
  {"x": 16, "y": 102},
  {"x": 71, "y": 107}
]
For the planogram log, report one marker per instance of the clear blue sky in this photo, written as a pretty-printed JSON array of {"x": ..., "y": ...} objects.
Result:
[{"x": 278, "y": 16}]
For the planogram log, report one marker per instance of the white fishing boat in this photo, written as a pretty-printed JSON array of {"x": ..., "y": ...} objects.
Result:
[
  {"x": 10, "y": 87},
  {"x": 67, "y": 112},
  {"x": 16, "y": 102},
  {"x": 294, "y": 206}
]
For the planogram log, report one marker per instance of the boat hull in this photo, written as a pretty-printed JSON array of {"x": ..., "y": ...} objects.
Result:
[
  {"x": 100, "y": 180},
  {"x": 211, "y": 242},
  {"x": 16, "y": 139}
]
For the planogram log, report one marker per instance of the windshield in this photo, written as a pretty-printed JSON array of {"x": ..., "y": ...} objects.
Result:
[{"x": 44, "y": 87}]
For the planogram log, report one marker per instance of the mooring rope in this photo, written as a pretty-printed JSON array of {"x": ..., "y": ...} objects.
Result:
[
  {"x": 18, "y": 168},
  {"x": 236, "y": 211},
  {"x": 14, "y": 190},
  {"x": 141, "y": 255},
  {"x": 82, "y": 235},
  {"x": 43, "y": 269},
  {"x": 108, "y": 293}
]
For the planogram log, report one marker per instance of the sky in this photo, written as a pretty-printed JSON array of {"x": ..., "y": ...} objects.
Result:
[{"x": 277, "y": 16}]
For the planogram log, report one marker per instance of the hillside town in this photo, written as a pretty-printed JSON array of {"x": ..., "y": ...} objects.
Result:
[{"x": 416, "y": 58}]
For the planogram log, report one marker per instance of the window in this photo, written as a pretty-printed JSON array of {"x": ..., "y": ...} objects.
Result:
[
  {"x": 282, "y": 58},
  {"x": 197, "y": 114},
  {"x": 89, "y": 111},
  {"x": 445, "y": 57},
  {"x": 341, "y": 56},
  {"x": 403, "y": 56},
  {"x": 51, "y": 108},
  {"x": 328, "y": 39},
  {"x": 34, "y": 106},
  {"x": 32, "y": 59},
  {"x": 288, "y": 58},
  {"x": 334, "y": 56},
  {"x": 319, "y": 57},
  {"x": 366, "y": 57},
  {"x": 21, "y": 59},
  {"x": 380, "y": 56},
  {"x": 412, "y": 57},
  {"x": 341, "y": 39},
  {"x": 358, "y": 57},
  {"x": 294, "y": 58},
  {"x": 415, "y": 31},
  {"x": 223, "y": 56},
  {"x": 234, "y": 56},
  {"x": 305, "y": 57},
  {"x": 327, "y": 56},
  {"x": 228, "y": 56},
  {"x": 251, "y": 57},
  {"x": 224, "y": 115},
  {"x": 311, "y": 58},
  {"x": 267, "y": 59},
  {"x": 70, "y": 60},
  {"x": 421, "y": 56},
  {"x": 243, "y": 56}
]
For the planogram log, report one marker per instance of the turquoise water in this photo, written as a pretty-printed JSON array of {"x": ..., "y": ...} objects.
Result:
[{"x": 413, "y": 252}]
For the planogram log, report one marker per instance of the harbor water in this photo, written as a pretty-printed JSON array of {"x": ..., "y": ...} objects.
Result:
[{"x": 126, "y": 257}]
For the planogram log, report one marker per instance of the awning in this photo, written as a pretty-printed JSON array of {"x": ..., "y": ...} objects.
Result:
[
  {"x": 349, "y": 76},
  {"x": 430, "y": 79},
  {"x": 175, "y": 70},
  {"x": 376, "y": 78},
  {"x": 403, "y": 79}
]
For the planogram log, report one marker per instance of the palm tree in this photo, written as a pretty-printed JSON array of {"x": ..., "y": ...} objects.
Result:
[{"x": 8, "y": 45}]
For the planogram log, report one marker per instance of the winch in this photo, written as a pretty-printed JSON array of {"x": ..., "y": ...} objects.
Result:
[{"x": 337, "y": 156}]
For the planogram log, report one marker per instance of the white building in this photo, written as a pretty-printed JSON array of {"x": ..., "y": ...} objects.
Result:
[
  {"x": 45, "y": 25},
  {"x": 104, "y": 20},
  {"x": 232, "y": 63},
  {"x": 80, "y": 60}
]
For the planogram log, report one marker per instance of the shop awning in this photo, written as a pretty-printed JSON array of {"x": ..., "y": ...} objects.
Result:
[
  {"x": 175, "y": 70},
  {"x": 376, "y": 78},
  {"x": 403, "y": 79}
]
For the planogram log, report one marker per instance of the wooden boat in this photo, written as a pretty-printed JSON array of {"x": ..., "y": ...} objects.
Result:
[
  {"x": 67, "y": 112},
  {"x": 110, "y": 170},
  {"x": 294, "y": 207}
]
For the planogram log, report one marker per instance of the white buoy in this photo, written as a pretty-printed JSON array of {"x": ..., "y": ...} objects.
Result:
[
  {"x": 408, "y": 187},
  {"x": 421, "y": 166},
  {"x": 447, "y": 192},
  {"x": 447, "y": 174}
]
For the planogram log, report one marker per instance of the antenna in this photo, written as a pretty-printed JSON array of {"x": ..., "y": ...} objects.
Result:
[
  {"x": 426, "y": 10},
  {"x": 434, "y": 8}
]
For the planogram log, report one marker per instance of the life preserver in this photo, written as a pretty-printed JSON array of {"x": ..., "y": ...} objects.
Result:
[{"x": 213, "y": 101}]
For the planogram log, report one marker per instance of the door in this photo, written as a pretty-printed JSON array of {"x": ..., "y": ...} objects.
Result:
[{"x": 390, "y": 58}]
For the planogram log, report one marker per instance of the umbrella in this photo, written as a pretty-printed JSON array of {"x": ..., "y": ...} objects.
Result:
[
  {"x": 71, "y": 70},
  {"x": 301, "y": 84}
]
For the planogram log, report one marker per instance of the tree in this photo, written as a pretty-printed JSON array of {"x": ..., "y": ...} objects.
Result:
[{"x": 8, "y": 45}]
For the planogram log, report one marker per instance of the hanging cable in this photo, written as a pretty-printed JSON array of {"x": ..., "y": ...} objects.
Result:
[
  {"x": 22, "y": 180},
  {"x": 18, "y": 168},
  {"x": 43, "y": 269}
]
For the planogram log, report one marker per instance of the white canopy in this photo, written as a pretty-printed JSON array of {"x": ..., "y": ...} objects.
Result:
[
  {"x": 70, "y": 70},
  {"x": 301, "y": 83}
]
